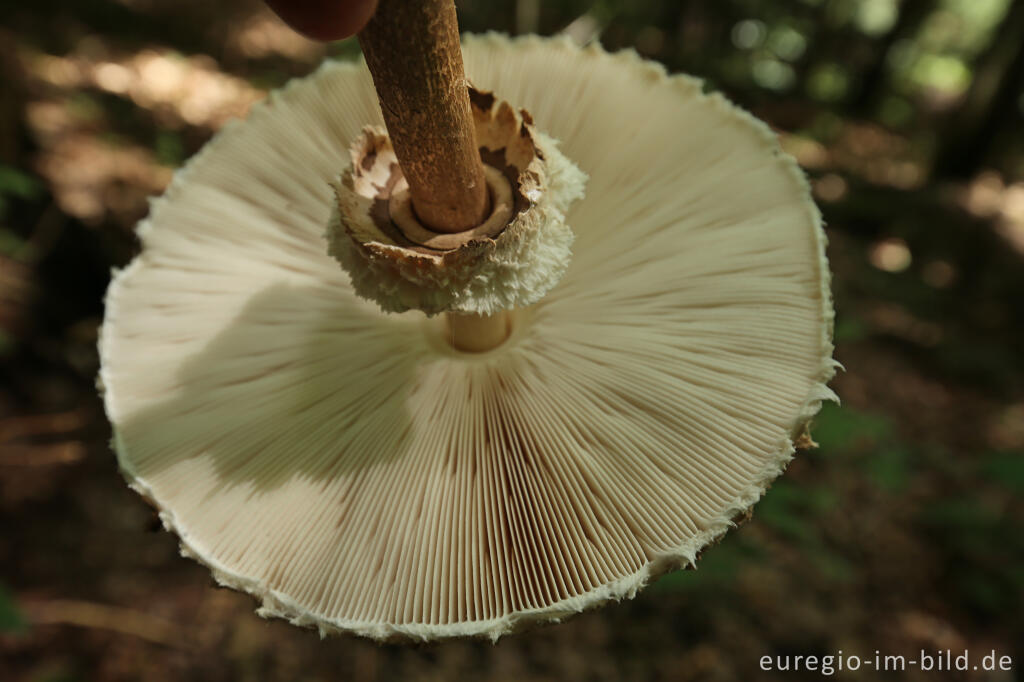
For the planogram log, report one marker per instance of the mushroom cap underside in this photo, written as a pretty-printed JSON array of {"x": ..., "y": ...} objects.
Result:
[{"x": 355, "y": 473}]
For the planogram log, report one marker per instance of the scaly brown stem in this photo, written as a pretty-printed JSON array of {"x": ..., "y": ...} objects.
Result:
[{"x": 413, "y": 52}]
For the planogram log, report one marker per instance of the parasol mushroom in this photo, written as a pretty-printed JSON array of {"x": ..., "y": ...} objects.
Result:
[{"x": 539, "y": 448}]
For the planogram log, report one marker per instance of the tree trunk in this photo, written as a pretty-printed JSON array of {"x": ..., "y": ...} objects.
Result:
[
  {"x": 874, "y": 79},
  {"x": 997, "y": 83}
]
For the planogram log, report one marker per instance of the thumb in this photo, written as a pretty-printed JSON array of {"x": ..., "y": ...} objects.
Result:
[{"x": 325, "y": 19}]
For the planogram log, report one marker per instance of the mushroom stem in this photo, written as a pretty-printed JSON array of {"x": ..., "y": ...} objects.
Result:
[
  {"x": 413, "y": 52},
  {"x": 478, "y": 333}
]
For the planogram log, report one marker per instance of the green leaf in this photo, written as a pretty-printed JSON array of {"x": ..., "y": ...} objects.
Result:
[
  {"x": 889, "y": 469},
  {"x": 849, "y": 329},
  {"x": 792, "y": 510},
  {"x": 960, "y": 514},
  {"x": 1006, "y": 469},
  {"x": 11, "y": 618},
  {"x": 983, "y": 592},
  {"x": 169, "y": 150},
  {"x": 717, "y": 566},
  {"x": 831, "y": 565},
  {"x": 11, "y": 245},
  {"x": 17, "y": 183},
  {"x": 839, "y": 430},
  {"x": 7, "y": 343},
  {"x": 344, "y": 50}
]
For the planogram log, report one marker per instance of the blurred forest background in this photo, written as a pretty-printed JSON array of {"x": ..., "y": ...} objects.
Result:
[{"x": 903, "y": 531}]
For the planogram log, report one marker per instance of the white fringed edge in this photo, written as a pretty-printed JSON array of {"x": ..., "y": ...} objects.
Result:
[{"x": 275, "y": 604}]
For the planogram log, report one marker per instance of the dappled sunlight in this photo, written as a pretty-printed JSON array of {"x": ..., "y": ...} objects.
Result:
[
  {"x": 861, "y": 149},
  {"x": 180, "y": 90},
  {"x": 891, "y": 255},
  {"x": 830, "y": 187},
  {"x": 878, "y": 156},
  {"x": 93, "y": 180},
  {"x": 263, "y": 35},
  {"x": 95, "y": 173},
  {"x": 989, "y": 196},
  {"x": 808, "y": 152}
]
